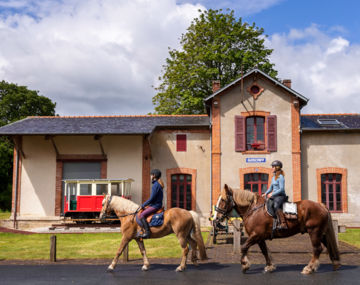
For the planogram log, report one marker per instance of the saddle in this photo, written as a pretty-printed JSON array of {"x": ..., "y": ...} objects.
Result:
[{"x": 154, "y": 220}]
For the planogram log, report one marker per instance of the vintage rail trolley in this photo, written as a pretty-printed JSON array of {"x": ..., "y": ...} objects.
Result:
[{"x": 83, "y": 197}]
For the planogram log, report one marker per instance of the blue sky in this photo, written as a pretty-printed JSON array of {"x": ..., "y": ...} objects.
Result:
[{"x": 102, "y": 57}]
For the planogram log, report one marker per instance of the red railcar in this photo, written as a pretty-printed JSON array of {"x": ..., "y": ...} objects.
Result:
[{"x": 83, "y": 197}]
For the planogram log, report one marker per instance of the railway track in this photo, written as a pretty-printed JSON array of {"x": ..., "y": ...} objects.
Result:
[{"x": 86, "y": 223}]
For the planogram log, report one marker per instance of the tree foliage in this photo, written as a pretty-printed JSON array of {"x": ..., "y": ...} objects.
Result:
[
  {"x": 16, "y": 103},
  {"x": 215, "y": 46}
]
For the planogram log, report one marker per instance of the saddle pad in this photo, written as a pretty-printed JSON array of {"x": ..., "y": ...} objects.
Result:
[
  {"x": 155, "y": 220},
  {"x": 290, "y": 208}
]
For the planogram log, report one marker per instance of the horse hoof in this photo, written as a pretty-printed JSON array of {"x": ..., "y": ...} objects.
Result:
[
  {"x": 179, "y": 269},
  {"x": 109, "y": 270},
  {"x": 336, "y": 266},
  {"x": 145, "y": 268},
  {"x": 306, "y": 271},
  {"x": 269, "y": 268}
]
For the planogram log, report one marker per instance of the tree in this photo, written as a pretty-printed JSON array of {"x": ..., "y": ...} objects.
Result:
[
  {"x": 215, "y": 46},
  {"x": 16, "y": 103}
]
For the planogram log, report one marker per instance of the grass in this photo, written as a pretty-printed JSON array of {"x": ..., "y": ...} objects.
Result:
[
  {"x": 351, "y": 236},
  {"x": 4, "y": 215},
  {"x": 83, "y": 246}
]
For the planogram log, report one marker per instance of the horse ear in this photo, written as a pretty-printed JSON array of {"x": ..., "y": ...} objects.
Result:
[{"x": 228, "y": 190}]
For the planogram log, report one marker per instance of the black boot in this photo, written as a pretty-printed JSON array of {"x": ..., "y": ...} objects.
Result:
[
  {"x": 281, "y": 218},
  {"x": 146, "y": 228}
]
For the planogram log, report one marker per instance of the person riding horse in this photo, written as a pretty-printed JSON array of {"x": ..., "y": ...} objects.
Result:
[
  {"x": 276, "y": 192},
  {"x": 154, "y": 203}
]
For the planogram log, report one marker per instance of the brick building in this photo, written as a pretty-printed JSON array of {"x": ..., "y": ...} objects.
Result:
[{"x": 250, "y": 122}]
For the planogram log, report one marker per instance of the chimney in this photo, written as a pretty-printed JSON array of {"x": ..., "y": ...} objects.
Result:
[
  {"x": 287, "y": 83},
  {"x": 215, "y": 85}
]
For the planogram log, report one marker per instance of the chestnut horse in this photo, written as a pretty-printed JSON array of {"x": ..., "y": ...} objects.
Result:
[
  {"x": 185, "y": 224},
  {"x": 313, "y": 218}
]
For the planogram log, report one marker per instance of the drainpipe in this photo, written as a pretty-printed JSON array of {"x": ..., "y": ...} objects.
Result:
[
  {"x": 211, "y": 184},
  {"x": 16, "y": 184}
]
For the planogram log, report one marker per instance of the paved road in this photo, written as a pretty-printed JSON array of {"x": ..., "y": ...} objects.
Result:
[{"x": 211, "y": 273}]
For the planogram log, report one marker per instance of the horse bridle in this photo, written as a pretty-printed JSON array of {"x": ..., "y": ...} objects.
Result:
[{"x": 226, "y": 212}]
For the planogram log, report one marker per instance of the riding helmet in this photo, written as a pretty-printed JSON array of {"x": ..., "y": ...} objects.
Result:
[
  {"x": 156, "y": 173},
  {"x": 277, "y": 163}
]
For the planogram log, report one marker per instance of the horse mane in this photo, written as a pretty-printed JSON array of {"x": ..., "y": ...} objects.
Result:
[
  {"x": 123, "y": 205},
  {"x": 244, "y": 197}
]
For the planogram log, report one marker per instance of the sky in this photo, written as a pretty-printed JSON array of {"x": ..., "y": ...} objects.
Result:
[{"x": 103, "y": 57}]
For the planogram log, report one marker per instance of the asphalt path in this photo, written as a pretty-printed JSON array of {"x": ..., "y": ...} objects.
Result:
[{"x": 210, "y": 273}]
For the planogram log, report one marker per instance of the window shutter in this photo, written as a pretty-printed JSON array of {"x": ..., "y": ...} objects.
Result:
[
  {"x": 240, "y": 133},
  {"x": 271, "y": 133},
  {"x": 181, "y": 142}
]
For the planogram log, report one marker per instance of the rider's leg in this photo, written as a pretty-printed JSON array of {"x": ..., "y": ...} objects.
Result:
[
  {"x": 278, "y": 201},
  {"x": 142, "y": 217}
]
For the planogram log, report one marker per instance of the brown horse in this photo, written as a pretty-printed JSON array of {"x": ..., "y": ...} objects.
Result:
[
  {"x": 185, "y": 224},
  {"x": 312, "y": 218}
]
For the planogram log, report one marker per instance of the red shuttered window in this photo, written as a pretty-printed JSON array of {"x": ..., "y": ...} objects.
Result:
[
  {"x": 250, "y": 133},
  {"x": 181, "y": 142},
  {"x": 271, "y": 133},
  {"x": 240, "y": 141}
]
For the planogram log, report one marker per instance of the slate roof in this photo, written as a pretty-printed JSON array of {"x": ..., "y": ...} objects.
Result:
[
  {"x": 330, "y": 122},
  {"x": 303, "y": 99},
  {"x": 101, "y": 125}
]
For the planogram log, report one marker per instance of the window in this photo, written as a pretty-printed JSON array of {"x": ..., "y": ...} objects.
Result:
[
  {"x": 256, "y": 182},
  {"x": 331, "y": 191},
  {"x": 181, "y": 142},
  {"x": 181, "y": 191},
  {"x": 255, "y": 133}
]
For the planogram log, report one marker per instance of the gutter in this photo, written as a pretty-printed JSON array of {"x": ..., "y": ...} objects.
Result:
[{"x": 16, "y": 186}]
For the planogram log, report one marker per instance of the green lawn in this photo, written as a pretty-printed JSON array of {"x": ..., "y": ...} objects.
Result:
[
  {"x": 78, "y": 246},
  {"x": 351, "y": 236},
  {"x": 4, "y": 215}
]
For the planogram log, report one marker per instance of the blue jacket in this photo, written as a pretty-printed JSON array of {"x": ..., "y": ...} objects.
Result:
[
  {"x": 277, "y": 186},
  {"x": 156, "y": 196}
]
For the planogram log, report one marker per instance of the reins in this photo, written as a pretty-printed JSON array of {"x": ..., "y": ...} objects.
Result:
[{"x": 124, "y": 215}]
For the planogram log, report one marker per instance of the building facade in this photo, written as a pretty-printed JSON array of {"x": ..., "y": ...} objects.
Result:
[{"x": 251, "y": 122}]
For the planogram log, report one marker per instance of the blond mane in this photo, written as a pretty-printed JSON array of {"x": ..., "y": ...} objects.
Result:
[
  {"x": 243, "y": 198},
  {"x": 123, "y": 205}
]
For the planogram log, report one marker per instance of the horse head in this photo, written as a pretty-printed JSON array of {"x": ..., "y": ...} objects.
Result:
[
  {"x": 106, "y": 208},
  {"x": 224, "y": 205}
]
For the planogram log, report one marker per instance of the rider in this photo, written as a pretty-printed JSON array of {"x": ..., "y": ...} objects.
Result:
[
  {"x": 154, "y": 203},
  {"x": 276, "y": 192}
]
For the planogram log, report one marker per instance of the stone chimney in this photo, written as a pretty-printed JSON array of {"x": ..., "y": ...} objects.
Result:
[
  {"x": 287, "y": 83},
  {"x": 215, "y": 85}
]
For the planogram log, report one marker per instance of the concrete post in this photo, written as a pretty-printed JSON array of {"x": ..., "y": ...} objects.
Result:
[{"x": 236, "y": 236}]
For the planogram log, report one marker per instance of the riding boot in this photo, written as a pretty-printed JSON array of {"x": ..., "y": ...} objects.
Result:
[
  {"x": 146, "y": 228},
  {"x": 281, "y": 218}
]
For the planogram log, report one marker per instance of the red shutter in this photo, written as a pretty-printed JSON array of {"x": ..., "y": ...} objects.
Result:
[
  {"x": 271, "y": 133},
  {"x": 180, "y": 142},
  {"x": 240, "y": 133}
]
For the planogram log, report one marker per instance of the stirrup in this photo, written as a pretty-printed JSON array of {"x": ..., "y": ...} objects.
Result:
[{"x": 142, "y": 235}]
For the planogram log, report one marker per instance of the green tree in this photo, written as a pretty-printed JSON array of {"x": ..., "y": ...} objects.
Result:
[
  {"x": 215, "y": 46},
  {"x": 16, "y": 103}
]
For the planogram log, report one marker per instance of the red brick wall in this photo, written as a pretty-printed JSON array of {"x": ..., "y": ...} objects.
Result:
[
  {"x": 146, "y": 170},
  {"x": 216, "y": 151},
  {"x": 296, "y": 153}
]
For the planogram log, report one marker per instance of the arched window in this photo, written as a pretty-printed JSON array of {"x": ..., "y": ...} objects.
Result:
[
  {"x": 181, "y": 191},
  {"x": 256, "y": 182},
  {"x": 331, "y": 194}
]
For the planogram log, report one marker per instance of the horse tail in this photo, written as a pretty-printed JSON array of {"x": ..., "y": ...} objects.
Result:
[
  {"x": 196, "y": 235},
  {"x": 331, "y": 244}
]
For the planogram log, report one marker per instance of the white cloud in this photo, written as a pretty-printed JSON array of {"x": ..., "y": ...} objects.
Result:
[
  {"x": 245, "y": 7},
  {"x": 322, "y": 68},
  {"x": 91, "y": 57}
]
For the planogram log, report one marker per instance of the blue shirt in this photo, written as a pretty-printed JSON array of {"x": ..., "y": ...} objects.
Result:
[
  {"x": 156, "y": 196},
  {"x": 277, "y": 186}
]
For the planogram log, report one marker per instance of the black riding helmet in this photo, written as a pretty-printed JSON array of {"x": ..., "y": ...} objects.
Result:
[
  {"x": 277, "y": 163},
  {"x": 156, "y": 173}
]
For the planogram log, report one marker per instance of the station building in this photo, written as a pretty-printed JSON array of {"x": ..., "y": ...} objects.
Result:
[{"x": 249, "y": 123}]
